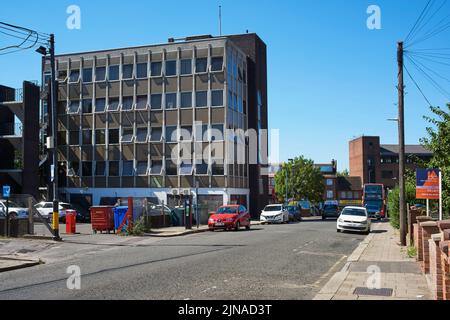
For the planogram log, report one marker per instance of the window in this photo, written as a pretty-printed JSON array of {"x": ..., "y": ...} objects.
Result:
[
  {"x": 186, "y": 99},
  {"x": 156, "y": 134},
  {"x": 127, "y": 71},
  {"x": 156, "y": 167},
  {"x": 387, "y": 174},
  {"x": 87, "y": 74},
  {"x": 62, "y": 75},
  {"x": 127, "y": 103},
  {"x": 141, "y": 70},
  {"x": 100, "y": 74},
  {"x": 73, "y": 168},
  {"x": 330, "y": 194},
  {"x": 185, "y": 133},
  {"x": 141, "y": 168},
  {"x": 141, "y": 102},
  {"x": 100, "y": 105},
  {"x": 171, "y": 100},
  {"x": 343, "y": 195},
  {"x": 100, "y": 168},
  {"x": 186, "y": 169},
  {"x": 114, "y": 168},
  {"x": 74, "y": 138},
  {"x": 217, "y": 132},
  {"x": 186, "y": 66},
  {"x": 113, "y": 136},
  {"x": 329, "y": 182},
  {"x": 217, "y": 169},
  {"x": 349, "y": 194},
  {"x": 113, "y": 72},
  {"x": 87, "y": 137},
  {"x": 171, "y": 134},
  {"x": 141, "y": 135},
  {"x": 201, "y": 99},
  {"x": 86, "y": 169},
  {"x": 201, "y": 168},
  {"x": 100, "y": 136},
  {"x": 171, "y": 68},
  {"x": 127, "y": 134},
  {"x": 87, "y": 105},
  {"x": 74, "y": 106},
  {"x": 127, "y": 168},
  {"x": 216, "y": 63},
  {"x": 113, "y": 104},
  {"x": 155, "y": 69},
  {"x": 171, "y": 168},
  {"x": 217, "y": 98},
  {"x": 201, "y": 65},
  {"x": 62, "y": 138},
  {"x": 74, "y": 75},
  {"x": 201, "y": 133},
  {"x": 156, "y": 101}
]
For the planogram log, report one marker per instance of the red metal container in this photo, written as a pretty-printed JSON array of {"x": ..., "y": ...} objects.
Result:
[
  {"x": 71, "y": 221},
  {"x": 102, "y": 219}
]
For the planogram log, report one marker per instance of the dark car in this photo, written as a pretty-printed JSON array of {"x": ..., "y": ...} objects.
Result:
[
  {"x": 294, "y": 213},
  {"x": 330, "y": 211}
]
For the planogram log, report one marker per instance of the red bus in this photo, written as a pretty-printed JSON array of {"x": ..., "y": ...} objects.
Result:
[{"x": 374, "y": 200}]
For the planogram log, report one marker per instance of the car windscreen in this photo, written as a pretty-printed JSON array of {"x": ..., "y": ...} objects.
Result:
[
  {"x": 354, "y": 212},
  {"x": 65, "y": 206},
  {"x": 227, "y": 210},
  {"x": 292, "y": 209},
  {"x": 272, "y": 208},
  {"x": 373, "y": 205},
  {"x": 330, "y": 207}
]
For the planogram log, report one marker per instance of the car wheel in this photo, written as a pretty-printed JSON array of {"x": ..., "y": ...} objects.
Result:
[
  {"x": 324, "y": 218},
  {"x": 338, "y": 231},
  {"x": 238, "y": 226},
  {"x": 247, "y": 227}
]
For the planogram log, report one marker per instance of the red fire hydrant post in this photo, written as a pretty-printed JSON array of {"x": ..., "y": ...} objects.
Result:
[{"x": 71, "y": 221}]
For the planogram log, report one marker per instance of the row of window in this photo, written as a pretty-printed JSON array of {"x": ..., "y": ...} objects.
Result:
[
  {"x": 142, "y": 70},
  {"x": 128, "y": 169},
  {"x": 171, "y": 101},
  {"x": 350, "y": 195},
  {"x": 141, "y": 134}
]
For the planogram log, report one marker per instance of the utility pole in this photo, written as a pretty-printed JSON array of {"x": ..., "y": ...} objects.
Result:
[{"x": 401, "y": 140}]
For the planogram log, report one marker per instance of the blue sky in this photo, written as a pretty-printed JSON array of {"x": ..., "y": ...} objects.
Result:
[{"x": 330, "y": 78}]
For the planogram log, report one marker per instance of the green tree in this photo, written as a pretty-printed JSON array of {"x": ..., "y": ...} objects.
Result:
[
  {"x": 344, "y": 173},
  {"x": 305, "y": 181}
]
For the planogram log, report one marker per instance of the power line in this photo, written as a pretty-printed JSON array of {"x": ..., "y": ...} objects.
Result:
[
  {"x": 444, "y": 2},
  {"x": 431, "y": 70},
  {"x": 437, "y": 29},
  {"x": 417, "y": 85},
  {"x": 21, "y": 38},
  {"x": 418, "y": 21}
]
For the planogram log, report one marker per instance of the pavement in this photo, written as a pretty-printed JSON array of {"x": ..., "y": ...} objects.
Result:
[
  {"x": 378, "y": 269},
  {"x": 290, "y": 262}
]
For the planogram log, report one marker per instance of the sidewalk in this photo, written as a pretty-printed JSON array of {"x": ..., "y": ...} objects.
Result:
[{"x": 378, "y": 262}]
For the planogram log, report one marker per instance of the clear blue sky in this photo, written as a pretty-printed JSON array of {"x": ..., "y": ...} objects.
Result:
[{"x": 330, "y": 77}]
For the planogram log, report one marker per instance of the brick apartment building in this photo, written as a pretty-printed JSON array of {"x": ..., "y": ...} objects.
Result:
[
  {"x": 378, "y": 163},
  {"x": 121, "y": 111}
]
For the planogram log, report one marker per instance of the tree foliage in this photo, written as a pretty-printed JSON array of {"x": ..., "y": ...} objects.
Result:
[{"x": 305, "y": 181}]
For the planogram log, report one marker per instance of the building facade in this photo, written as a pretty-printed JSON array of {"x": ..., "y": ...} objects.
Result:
[
  {"x": 160, "y": 122},
  {"x": 378, "y": 163}
]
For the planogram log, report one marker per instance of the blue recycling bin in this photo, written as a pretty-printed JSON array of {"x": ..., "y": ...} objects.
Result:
[{"x": 119, "y": 214}]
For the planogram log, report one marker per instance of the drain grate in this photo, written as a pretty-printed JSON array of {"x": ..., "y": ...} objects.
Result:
[{"x": 382, "y": 292}]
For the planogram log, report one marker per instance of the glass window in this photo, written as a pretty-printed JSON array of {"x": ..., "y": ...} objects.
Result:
[
  {"x": 113, "y": 136},
  {"x": 113, "y": 104},
  {"x": 141, "y": 135},
  {"x": 62, "y": 75},
  {"x": 201, "y": 168},
  {"x": 156, "y": 167},
  {"x": 186, "y": 66},
  {"x": 86, "y": 168},
  {"x": 217, "y": 98},
  {"x": 201, "y": 65},
  {"x": 201, "y": 99},
  {"x": 127, "y": 168},
  {"x": 100, "y": 104},
  {"x": 127, "y": 103},
  {"x": 186, "y": 169},
  {"x": 100, "y": 136},
  {"x": 74, "y": 75},
  {"x": 74, "y": 138},
  {"x": 141, "y": 168},
  {"x": 343, "y": 195},
  {"x": 87, "y": 137},
  {"x": 156, "y": 134},
  {"x": 217, "y": 132},
  {"x": 217, "y": 169},
  {"x": 114, "y": 168},
  {"x": 156, "y": 101},
  {"x": 74, "y": 106},
  {"x": 156, "y": 69},
  {"x": 186, "y": 99},
  {"x": 171, "y": 134},
  {"x": 201, "y": 133},
  {"x": 185, "y": 133},
  {"x": 171, "y": 68},
  {"x": 100, "y": 74},
  {"x": 141, "y": 70},
  {"x": 73, "y": 168},
  {"x": 87, "y": 105},
  {"x": 100, "y": 168},
  {"x": 216, "y": 63},
  {"x": 171, "y": 168},
  {"x": 127, "y": 134},
  {"x": 87, "y": 74},
  {"x": 141, "y": 102},
  {"x": 113, "y": 72},
  {"x": 62, "y": 138},
  {"x": 330, "y": 194},
  {"x": 171, "y": 100},
  {"x": 329, "y": 182},
  {"x": 127, "y": 71}
]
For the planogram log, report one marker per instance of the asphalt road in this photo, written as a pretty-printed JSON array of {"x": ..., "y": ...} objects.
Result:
[{"x": 269, "y": 262}]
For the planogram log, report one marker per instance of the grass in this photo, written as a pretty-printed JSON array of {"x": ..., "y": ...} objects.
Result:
[{"x": 412, "y": 252}]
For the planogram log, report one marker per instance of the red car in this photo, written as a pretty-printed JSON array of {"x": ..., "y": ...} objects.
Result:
[{"x": 230, "y": 217}]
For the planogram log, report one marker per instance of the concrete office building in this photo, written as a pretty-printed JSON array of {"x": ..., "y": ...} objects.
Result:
[{"x": 131, "y": 121}]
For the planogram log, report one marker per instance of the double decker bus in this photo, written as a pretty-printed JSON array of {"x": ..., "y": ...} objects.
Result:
[{"x": 374, "y": 200}]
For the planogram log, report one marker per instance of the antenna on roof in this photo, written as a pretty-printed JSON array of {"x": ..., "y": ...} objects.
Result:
[{"x": 220, "y": 20}]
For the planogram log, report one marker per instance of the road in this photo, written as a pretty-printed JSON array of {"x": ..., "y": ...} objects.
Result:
[{"x": 269, "y": 262}]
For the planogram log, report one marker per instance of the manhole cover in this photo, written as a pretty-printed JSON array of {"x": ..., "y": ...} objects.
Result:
[{"x": 382, "y": 292}]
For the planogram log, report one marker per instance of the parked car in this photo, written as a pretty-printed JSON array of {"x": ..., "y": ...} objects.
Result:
[
  {"x": 354, "y": 219},
  {"x": 294, "y": 213},
  {"x": 230, "y": 217},
  {"x": 46, "y": 211},
  {"x": 330, "y": 210},
  {"x": 14, "y": 210},
  {"x": 274, "y": 213}
]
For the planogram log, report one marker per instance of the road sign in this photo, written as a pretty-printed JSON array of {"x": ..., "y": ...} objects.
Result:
[
  {"x": 6, "y": 192},
  {"x": 427, "y": 184}
]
